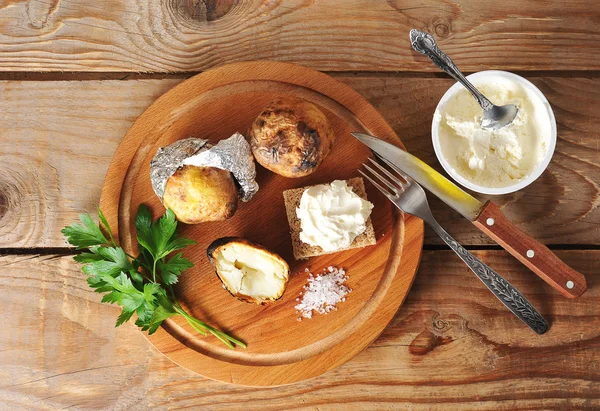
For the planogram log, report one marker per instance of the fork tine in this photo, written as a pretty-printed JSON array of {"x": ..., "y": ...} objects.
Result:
[
  {"x": 385, "y": 181},
  {"x": 381, "y": 168},
  {"x": 378, "y": 186},
  {"x": 408, "y": 179}
]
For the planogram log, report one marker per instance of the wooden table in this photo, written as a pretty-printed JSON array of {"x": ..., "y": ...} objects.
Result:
[{"x": 76, "y": 74}]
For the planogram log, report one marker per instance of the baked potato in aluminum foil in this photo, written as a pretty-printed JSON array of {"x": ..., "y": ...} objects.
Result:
[{"x": 201, "y": 182}]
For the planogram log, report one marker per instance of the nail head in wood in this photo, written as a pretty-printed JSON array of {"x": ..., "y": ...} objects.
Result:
[
  {"x": 530, "y": 253},
  {"x": 570, "y": 284},
  {"x": 489, "y": 221}
]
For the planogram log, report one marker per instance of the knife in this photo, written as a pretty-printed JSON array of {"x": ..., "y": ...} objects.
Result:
[{"x": 486, "y": 217}]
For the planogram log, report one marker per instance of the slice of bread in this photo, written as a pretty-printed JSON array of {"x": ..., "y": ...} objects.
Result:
[{"x": 302, "y": 250}]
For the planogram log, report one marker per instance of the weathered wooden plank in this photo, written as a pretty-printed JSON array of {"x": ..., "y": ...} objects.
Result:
[
  {"x": 56, "y": 141},
  {"x": 451, "y": 346},
  {"x": 181, "y": 35},
  {"x": 57, "y": 138}
]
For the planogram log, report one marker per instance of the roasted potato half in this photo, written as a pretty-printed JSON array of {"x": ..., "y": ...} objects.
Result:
[
  {"x": 291, "y": 137},
  {"x": 249, "y": 271},
  {"x": 199, "y": 194}
]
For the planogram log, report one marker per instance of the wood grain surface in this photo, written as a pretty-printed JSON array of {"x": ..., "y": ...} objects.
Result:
[
  {"x": 57, "y": 139},
  {"x": 452, "y": 346},
  {"x": 186, "y": 35}
]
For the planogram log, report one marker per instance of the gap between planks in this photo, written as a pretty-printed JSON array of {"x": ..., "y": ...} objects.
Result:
[
  {"x": 67, "y": 251},
  {"x": 121, "y": 75}
]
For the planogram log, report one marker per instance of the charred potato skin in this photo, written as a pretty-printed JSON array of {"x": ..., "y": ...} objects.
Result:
[
  {"x": 213, "y": 248},
  {"x": 291, "y": 137},
  {"x": 201, "y": 194}
]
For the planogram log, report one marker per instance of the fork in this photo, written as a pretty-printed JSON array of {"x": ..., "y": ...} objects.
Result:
[{"x": 410, "y": 197}]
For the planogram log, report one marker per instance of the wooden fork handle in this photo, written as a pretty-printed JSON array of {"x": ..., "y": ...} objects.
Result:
[{"x": 536, "y": 256}]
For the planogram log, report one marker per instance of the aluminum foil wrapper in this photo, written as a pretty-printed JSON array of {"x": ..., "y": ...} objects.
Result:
[{"x": 232, "y": 154}]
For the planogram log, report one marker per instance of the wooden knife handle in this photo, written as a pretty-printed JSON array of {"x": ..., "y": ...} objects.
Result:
[{"x": 536, "y": 256}]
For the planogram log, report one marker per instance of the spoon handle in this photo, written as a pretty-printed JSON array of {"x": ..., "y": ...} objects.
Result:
[{"x": 425, "y": 44}]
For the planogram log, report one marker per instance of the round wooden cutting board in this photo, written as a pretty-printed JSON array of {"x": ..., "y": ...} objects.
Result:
[{"x": 281, "y": 350}]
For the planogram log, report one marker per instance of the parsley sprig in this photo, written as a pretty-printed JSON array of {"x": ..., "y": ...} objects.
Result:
[{"x": 141, "y": 285}]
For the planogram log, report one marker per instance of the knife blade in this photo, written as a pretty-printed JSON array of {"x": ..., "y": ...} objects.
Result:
[
  {"x": 437, "y": 184},
  {"x": 487, "y": 217}
]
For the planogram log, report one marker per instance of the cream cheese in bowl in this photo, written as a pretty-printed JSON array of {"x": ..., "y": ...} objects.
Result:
[{"x": 494, "y": 161}]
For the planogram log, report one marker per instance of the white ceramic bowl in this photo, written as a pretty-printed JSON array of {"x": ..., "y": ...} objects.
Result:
[{"x": 550, "y": 145}]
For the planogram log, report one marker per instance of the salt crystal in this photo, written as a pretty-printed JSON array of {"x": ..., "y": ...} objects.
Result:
[{"x": 323, "y": 292}]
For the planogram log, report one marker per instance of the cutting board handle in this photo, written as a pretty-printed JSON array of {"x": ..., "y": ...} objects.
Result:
[{"x": 536, "y": 256}]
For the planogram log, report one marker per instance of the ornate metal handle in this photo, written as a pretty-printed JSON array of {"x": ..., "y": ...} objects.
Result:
[
  {"x": 425, "y": 44},
  {"x": 502, "y": 289}
]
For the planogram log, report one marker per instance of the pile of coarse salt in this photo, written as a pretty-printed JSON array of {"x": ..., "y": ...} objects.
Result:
[{"x": 323, "y": 292}]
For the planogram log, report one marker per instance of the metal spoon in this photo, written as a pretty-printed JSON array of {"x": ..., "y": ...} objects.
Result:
[{"x": 494, "y": 117}]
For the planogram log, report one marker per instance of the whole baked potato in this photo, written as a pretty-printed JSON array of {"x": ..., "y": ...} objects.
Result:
[
  {"x": 291, "y": 137},
  {"x": 199, "y": 194}
]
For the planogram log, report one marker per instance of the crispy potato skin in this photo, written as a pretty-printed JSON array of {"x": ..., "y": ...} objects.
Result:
[
  {"x": 213, "y": 250},
  {"x": 199, "y": 194},
  {"x": 291, "y": 137}
]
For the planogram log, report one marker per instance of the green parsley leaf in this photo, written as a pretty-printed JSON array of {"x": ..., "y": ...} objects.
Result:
[
  {"x": 176, "y": 243},
  {"x": 159, "y": 315},
  {"x": 144, "y": 260},
  {"x": 89, "y": 257},
  {"x": 106, "y": 226},
  {"x": 98, "y": 284},
  {"x": 113, "y": 262},
  {"x": 84, "y": 235},
  {"x": 130, "y": 298},
  {"x": 172, "y": 268},
  {"x": 159, "y": 238},
  {"x": 162, "y": 232},
  {"x": 150, "y": 291},
  {"x": 127, "y": 296},
  {"x": 143, "y": 224},
  {"x": 124, "y": 317},
  {"x": 136, "y": 278}
]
